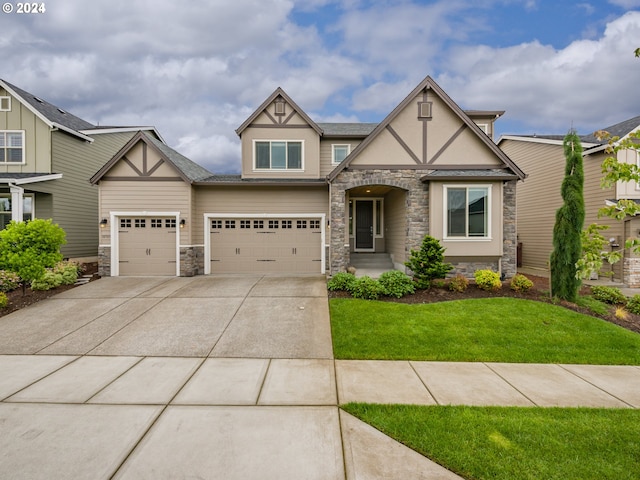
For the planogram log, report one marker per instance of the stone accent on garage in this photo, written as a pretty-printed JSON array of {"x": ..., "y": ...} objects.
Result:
[
  {"x": 417, "y": 208},
  {"x": 191, "y": 261},
  {"x": 509, "y": 238},
  {"x": 104, "y": 261}
]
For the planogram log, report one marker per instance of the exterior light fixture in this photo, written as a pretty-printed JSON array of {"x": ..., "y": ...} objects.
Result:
[
  {"x": 103, "y": 223},
  {"x": 182, "y": 223}
]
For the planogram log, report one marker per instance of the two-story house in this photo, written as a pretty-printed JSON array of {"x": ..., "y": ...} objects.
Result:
[
  {"x": 311, "y": 196},
  {"x": 539, "y": 197},
  {"x": 47, "y": 156}
]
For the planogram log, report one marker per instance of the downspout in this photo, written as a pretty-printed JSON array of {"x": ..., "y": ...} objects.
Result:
[{"x": 17, "y": 196}]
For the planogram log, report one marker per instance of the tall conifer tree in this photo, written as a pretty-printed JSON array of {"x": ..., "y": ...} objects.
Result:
[{"x": 569, "y": 222}]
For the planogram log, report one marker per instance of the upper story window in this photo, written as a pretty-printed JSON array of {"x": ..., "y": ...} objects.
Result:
[
  {"x": 5, "y": 104},
  {"x": 467, "y": 211},
  {"x": 339, "y": 152},
  {"x": 278, "y": 155},
  {"x": 11, "y": 146}
]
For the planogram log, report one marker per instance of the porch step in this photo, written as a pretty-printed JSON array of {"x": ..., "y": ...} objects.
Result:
[{"x": 379, "y": 261}]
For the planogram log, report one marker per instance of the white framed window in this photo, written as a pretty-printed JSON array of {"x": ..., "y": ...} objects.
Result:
[
  {"x": 484, "y": 127},
  {"x": 28, "y": 208},
  {"x": 278, "y": 155},
  {"x": 11, "y": 146},
  {"x": 467, "y": 212},
  {"x": 339, "y": 152},
  {"x": 5, "y": 104}
]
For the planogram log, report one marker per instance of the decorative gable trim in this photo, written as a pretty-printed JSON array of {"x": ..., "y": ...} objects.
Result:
[
  {"x": 145, "y": 173},
  {"x": 279, "y": 93},
  {"x": 426, "y": 84}
]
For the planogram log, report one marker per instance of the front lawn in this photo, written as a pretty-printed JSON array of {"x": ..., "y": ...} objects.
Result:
[
  {"x": 515, "y": 443},
  {"x": 480, "y": 330}
]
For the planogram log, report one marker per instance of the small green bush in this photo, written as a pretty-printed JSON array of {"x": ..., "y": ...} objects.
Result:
[
  {"x": 48, "y": 281},
  {"x": 427, "y": 263},
  {"x": 459, "y": 283},
  {"x": 8, "y": 281},
  {"x": 610, "y": 295},
  {"x": 69, "y": 271},
  {"x": 439, "y": 283},
  {"x": 520, "y": 283},
  {"x": 633, "y": 305},
  {"x": 396, "y": 284},
  {"x": 4, "y": 301},
  {"x": 488, "y": 280},
  {"x": 342, "y": 281},
  {"x": 63, "y": 273},
  {"x": 366, "y": 288}
]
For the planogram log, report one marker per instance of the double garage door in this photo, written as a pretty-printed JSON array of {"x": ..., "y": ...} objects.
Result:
[
  {"x": 265, "y": 245},
  {"x": 147, "y": 245}
]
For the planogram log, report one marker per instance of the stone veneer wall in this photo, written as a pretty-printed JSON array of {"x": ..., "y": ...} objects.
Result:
[
  {"x": 104, "y": 261},
  {"x": 509, "y": 227},
  {"x": 417, "y": 208},
  {"x": 631, "y": 272}
]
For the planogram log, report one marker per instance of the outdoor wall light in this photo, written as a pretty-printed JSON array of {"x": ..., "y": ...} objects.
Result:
[
  {"x": 103, "y": 223},
  {"x": 182, "y": 223}
]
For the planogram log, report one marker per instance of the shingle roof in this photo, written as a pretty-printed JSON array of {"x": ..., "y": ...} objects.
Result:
[
  {"x": 190, "y": 169},
  {"x": 238, "y": 180},
  {"x": 618, "y": 130},
  {"x": 51, "y": 112},
  {"x": 493, "y": 173},
  {"x": 347, "y": 129}
]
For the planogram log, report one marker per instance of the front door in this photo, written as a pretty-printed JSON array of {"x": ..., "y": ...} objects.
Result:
[{"x": 364, "y": 225}]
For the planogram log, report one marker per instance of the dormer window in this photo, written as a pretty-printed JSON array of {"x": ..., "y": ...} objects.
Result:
[
  {"x": 278, "y": 155},
  {"x": 5, "y": 104},
  {"x": 11, "y": 147}
]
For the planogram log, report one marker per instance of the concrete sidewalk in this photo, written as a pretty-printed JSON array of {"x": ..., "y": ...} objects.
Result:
[{"x": 231, "y": 378}]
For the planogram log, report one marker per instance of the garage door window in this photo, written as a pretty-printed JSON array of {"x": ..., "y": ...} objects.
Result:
[
  {"x": 273, "y": 224},
  {"x": 229, "y": 224},
  {"x": 315, "y": 224},
  {"x": 170, "y": 223},
  {"x": 258, "y": 224},
  {"x": 286, "y": 223},
  {"x": 140, "y": 223},
  {"x": 302, "y": 224},
  {"x": 245, "y": 223},
  {"x": 216, "y": 224},
  {"x": 156, "y": 223}
]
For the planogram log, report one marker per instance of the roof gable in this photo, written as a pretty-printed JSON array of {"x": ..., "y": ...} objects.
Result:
[
  {"x": 52, "y": 115},
  {"x": 280, "y": 97},
  {"x": 455, "y": 126},
  {"x": 169, "y": 161}
]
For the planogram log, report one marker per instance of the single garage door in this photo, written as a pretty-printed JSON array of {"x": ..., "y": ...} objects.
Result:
[
  {"x": 147, "y": 246},
  {"x": 266, "y": 245}
]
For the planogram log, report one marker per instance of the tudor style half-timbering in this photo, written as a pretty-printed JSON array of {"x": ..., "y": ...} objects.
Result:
[{"x": 311, "y": 197}]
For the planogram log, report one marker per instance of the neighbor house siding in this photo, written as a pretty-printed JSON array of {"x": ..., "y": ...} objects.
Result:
[
  {"x": 256, "y": 200},
  {"x": 37, "y": 138},
  {"x": 75, "y": 201},
  {"x": 538, "y": 197}
]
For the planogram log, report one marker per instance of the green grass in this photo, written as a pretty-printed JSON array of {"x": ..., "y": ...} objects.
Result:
[
  {"x": 501, "y": 443},
  {"x": 481, "y": 330}
]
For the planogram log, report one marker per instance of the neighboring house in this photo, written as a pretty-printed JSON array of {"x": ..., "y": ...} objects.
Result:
[
  {"x": 47, "y": 156},
  {"x": 312, "y": 195},
  {"x": 538, "y": 198}
]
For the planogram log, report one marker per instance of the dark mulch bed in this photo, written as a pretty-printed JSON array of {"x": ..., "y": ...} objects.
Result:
[
  {"x": 18, "y": 300},
  {"x": 539, "y": 292}
]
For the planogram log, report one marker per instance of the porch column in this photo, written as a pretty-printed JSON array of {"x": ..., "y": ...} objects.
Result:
[
  {"x": 17, "y": 202},
  {"x": 339, "y": 241}
]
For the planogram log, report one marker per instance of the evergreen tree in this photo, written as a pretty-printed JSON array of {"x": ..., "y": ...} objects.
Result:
[{"x": 567, "y": 230}]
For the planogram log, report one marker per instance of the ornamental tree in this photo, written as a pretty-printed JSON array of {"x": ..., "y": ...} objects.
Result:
[{"x": 567, "y": 244}]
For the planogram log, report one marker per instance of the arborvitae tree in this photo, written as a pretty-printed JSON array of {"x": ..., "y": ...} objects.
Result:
[{"x": 567, "y": 230}]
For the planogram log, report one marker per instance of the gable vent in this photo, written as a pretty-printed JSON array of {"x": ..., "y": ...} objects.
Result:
[
  {"x": 279, "y": 107},
  {"x": 5, "y": 104},
  {"x": 424, "y": 109}
]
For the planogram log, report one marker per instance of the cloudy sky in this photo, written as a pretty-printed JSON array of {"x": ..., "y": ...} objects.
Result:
[{"x": 196, "y": 70}]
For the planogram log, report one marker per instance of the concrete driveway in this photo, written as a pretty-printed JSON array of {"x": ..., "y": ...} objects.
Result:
[{"x": 213, "y": 377}]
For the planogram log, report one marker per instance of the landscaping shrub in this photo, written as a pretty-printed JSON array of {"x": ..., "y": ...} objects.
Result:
[
  {"x": 488, "y": 280},
  {"x": 427, "y": 263},
  {"x": 459, "y": 283},
  {"x": 396, "y": 284},
  {"x": 366, "y": 288},
  {"x": 4, "y": 301},
  {"x": 8, "y": 281},
  {"x": 621, "y": 313},
  {"x": 610, "y": 295},
  {"x": 439, "y": 283},
  {"x": 63, "y": 273},
  {"x": 520, "y": 283},
  {"x": 342, "y": 281},
  {"x": 633, "y": 305}
]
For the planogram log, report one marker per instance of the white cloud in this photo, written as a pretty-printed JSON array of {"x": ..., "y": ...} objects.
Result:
[{"x": 590, "y": 83}]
